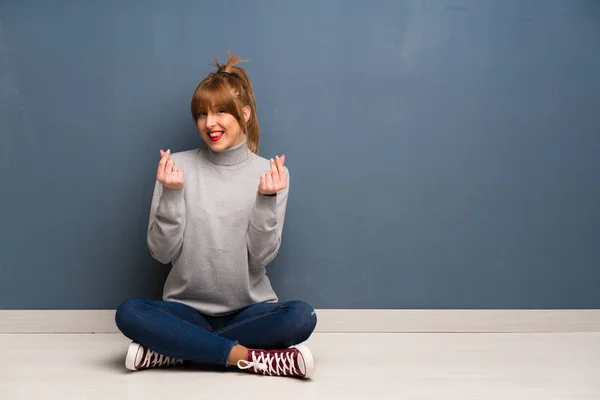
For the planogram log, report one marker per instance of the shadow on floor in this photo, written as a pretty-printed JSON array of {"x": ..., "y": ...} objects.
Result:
[{"x": 116, "y": 363}]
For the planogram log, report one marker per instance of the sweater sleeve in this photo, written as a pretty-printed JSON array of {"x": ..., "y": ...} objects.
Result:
[
  {"x": 167, "y": 223},
  {"x": 263, "y": 238}
]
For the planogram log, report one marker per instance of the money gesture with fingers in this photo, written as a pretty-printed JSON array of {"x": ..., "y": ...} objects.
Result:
[
  {"x": 169, "y": 174},
  {"x": 274, "y": 180}
]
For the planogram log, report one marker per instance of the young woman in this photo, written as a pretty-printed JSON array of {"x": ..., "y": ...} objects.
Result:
[{"x": 217, "y": 215}]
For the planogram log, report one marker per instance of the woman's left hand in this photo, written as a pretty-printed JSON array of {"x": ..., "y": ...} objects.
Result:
[{"x": 275, "y": 180}]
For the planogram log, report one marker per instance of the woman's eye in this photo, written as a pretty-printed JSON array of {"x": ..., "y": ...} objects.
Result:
[{"x": 220, "y": 111}]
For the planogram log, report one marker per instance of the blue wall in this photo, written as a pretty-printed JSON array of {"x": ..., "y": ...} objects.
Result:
[{"x": 443, "y": 154}]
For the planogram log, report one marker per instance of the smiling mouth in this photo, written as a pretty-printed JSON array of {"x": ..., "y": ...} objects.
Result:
[{"x": 215, "y": 136}]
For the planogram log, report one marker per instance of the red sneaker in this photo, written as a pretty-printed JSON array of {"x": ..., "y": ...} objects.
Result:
[
  {"x": 140, "y": 357},
  {"x": 296, "y": 361}
]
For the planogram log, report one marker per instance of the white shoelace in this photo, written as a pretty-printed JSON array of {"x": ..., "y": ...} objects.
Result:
[
  {"x": 263, "y": 362},
  {"x": 159, "y": 360}
]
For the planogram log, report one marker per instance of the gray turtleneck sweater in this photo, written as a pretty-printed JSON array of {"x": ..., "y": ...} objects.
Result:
[{"x": 218, "y": 231}]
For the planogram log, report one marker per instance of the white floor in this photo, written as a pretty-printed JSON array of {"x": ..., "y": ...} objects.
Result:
[{"x": 349, "y": 366}]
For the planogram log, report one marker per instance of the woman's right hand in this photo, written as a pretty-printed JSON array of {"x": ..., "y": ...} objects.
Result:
[{"x": 169, "y": 174}]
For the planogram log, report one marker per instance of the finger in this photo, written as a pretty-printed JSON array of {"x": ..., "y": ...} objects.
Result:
[
  {"x": 280, "y": 161},
  {"x": 282, "y": 177},
  {"x": 160, "y": 173},
  {"x": 274, "y": 171},
  {"x": 269, "y": 180},
  {"x": 169, "y": 166},
  {"x": 163, "y": 156},
  {"x": 178, "y": 173},
  {"x": 273, "y": 166},
  {"x": 163, "y": 159},
  {"x": 263, "y": 182}
]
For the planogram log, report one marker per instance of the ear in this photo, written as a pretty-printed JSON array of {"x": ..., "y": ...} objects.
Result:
[{"x": 247, "y": 113}]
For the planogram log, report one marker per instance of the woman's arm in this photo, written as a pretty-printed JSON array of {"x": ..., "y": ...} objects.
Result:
[
  {"x": 263, "y": 238},
  {"x": 167, "y": 223}
]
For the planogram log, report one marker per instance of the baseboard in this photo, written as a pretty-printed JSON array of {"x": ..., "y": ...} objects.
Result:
[{"x": 333, "y": 321}]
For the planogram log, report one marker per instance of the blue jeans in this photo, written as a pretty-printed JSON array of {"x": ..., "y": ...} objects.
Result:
[{"x": 179, "y": 331}]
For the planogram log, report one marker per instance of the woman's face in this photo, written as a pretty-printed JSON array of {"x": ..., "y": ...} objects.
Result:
[{"x": 220, "y": 130}]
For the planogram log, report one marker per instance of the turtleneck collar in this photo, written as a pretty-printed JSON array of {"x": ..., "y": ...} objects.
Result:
[{"x": 231, "y": 156}]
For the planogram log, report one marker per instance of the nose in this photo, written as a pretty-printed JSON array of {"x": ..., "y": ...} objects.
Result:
[{"x": 210, "y": 120}]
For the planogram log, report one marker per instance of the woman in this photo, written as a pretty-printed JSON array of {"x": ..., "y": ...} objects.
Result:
[{"x": 220, "y": 228}]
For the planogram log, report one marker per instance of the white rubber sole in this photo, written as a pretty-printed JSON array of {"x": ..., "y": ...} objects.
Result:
[
  {"x": 132, "y": 354},
  {"x": 309, "y": 362}
]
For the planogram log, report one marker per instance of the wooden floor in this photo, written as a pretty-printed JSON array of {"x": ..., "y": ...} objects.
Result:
[{"x": 349, "y": 366}]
